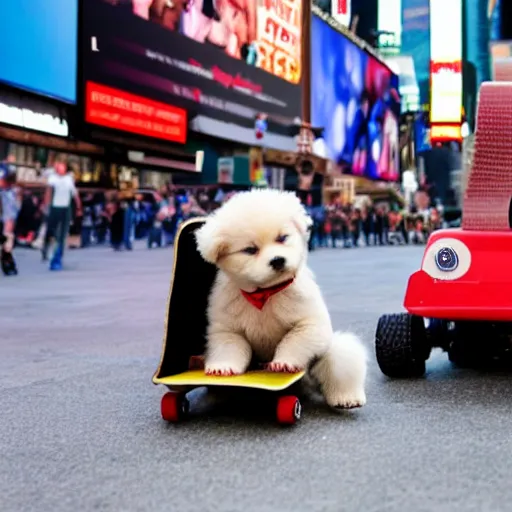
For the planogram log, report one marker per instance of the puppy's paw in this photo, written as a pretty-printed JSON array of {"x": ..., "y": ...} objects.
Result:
[
  {"x": 279, "y": 367},
  {"x": 222, "y": 369},
  {"x": 346, "y": 400}
]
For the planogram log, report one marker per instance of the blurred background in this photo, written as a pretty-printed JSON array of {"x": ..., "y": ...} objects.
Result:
[{"x": 353, "y": 104}]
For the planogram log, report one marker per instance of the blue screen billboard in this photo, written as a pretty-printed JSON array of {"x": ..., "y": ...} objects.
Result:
[
  {"x": 38, "y": 46},
  {"x": 354, "y": 97}
]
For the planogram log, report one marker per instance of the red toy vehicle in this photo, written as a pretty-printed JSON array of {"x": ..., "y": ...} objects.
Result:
[{"x": 461, "y": 299}]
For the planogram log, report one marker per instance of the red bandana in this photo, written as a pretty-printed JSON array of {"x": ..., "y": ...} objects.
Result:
[{"x": 259, "y": 297}]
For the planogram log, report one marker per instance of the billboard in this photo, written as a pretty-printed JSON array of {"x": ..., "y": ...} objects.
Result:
[
  {"x": 494, "y": 15},
  {"x": 354, "y": 98},
  {"x": 390, "y": 22},
  {"x": 445, "y": 64},
  {"x": 221, "y": 60},
  {"x": 35, "y": 55},
  {"x": 341, "y": 12},
  {"x": 415, "y": 41}
]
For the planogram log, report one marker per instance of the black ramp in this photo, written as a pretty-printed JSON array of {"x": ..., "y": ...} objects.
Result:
[{"x": 186, "y": 322}]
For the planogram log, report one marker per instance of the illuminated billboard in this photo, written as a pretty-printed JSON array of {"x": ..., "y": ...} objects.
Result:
[
  {"x": 390, "y": 23},
  {"x": 445, "y": 62},
  {"x": 221, "y": 60},
  {"x": 358, "y": 106},
  {"x": 340, "y": 11}
]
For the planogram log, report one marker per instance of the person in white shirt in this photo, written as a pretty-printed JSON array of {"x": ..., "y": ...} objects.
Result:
[{"x": 60, "y": 192}]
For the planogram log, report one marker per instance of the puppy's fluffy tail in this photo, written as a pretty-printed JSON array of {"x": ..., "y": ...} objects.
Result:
[
  {"x": 344, "y": 366},
  {"x": 349, "y": 354}
]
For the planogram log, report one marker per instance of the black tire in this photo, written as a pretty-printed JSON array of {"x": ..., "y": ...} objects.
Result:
[
  {"x": 467, "y": 349},
  {"x": 401, "y": 345},
  {"x": 438, "y": 334},
  {"x": 462, "y": 356}
]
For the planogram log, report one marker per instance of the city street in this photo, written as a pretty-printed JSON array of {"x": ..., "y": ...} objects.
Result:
[{"x": 80, "y": 425}]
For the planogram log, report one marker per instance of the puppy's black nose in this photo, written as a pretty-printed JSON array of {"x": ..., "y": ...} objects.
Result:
[{"x": 277, "y": 263}]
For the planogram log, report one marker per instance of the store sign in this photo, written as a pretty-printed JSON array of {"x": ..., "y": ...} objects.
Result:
[
  {"x": 340, "y": 11},
  {"x": 445, "y": 61},
  {"x": 112, "y": 108},
  {"x": 32, "y": 119},
  {"x": 445, "y": 132}
]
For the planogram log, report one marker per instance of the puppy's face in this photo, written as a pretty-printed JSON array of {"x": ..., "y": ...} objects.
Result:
[{"x": 257, "y": 238}]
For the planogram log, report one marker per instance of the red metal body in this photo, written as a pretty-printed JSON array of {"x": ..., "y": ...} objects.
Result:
[{"x": 484, "y": 292}]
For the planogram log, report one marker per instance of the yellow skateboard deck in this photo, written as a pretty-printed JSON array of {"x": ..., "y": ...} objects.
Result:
[{"x": 258, "y": 379}]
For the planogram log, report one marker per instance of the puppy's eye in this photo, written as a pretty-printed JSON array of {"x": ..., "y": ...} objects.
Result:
[
  {"x": 250, "y": 250},
  {"x": 281, "y": 239}
]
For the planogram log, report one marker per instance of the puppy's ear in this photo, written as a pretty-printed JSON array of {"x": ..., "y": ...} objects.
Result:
[
  {"x": 210, "y": 243},
  {"x": 302, "y": 220}
]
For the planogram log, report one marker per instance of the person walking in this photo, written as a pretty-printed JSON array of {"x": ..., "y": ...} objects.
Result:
[
  {"x": 9, "y": 208},
  {"x": 59, "y": 195}
]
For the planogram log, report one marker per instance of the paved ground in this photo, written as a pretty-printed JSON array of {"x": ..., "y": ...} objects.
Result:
[{"x": 80, "y": 428}]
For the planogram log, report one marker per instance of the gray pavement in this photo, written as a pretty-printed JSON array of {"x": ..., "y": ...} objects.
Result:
[{"x": 80, "y": 428}]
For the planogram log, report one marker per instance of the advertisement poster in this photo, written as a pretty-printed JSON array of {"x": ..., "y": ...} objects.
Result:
[
  {"x": 226, "y": 170},
  {"x": 355, "y": 99},
  {"x": 219, "y": 59}
]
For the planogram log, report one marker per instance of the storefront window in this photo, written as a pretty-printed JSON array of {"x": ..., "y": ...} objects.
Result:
[
  {"x": 155, "y": 179},
  {"x": 128, "y": 177},
  {"x": 33, "y": 163}
]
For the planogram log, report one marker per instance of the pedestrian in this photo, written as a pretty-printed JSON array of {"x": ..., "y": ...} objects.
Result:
[
  {"x": 59, "y": 195},
  {"x": 128, "y": 222},
  {"x": 117, "y": 217},
  {"x": 88, "y": 221},
  {"x": 10, "y": 207},
  {"x": 355, "y": 226}
]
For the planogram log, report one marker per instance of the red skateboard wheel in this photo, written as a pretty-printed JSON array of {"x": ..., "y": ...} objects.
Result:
[
  {"x": 174, "y": 407},
  {"x": 289, "y": 410}
]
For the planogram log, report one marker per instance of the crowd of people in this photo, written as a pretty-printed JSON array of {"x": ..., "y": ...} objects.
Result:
[
  {"x": 62, "y": 216},
  {"x": 336, "y": 225}
]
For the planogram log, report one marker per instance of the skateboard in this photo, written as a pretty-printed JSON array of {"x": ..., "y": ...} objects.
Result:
[
  {"x": 175, "y": 406},
  {"x": 181, "y": 366}
]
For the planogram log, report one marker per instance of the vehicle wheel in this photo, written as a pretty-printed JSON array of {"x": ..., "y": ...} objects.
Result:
[
  {"x": 401, "y": 345},
  {"x": 466, "y": 349},
  {"x": 289, "y": 410},
  {"x": 462, "y": 356},
  {"x": 174, "y": 407},
  {"x": 438, "y": 334}
]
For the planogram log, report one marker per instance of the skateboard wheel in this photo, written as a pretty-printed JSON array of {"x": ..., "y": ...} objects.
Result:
[
  {"x": 289, "y": 410},
  {"x": 174, "y": 407}
]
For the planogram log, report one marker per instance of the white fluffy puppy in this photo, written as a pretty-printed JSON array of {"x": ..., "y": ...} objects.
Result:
[{"x": 265, "y": 302}]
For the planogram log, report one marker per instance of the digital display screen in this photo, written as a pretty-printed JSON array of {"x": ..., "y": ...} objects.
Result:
[
  {"x": 38, "y": 46},
  {"x": 445, "y": 61},
  {"x": 223, "y": 60},
  {"x": 355, "y": 99}
]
